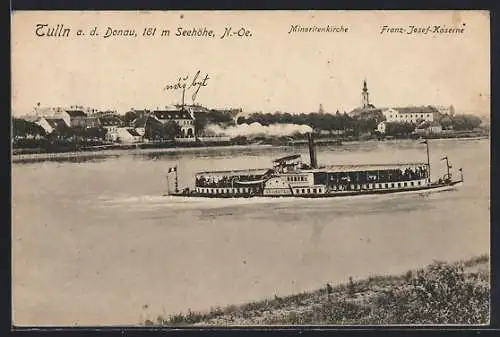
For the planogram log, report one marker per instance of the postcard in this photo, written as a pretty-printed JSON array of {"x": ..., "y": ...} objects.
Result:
[{"x": 250, "y": 168}]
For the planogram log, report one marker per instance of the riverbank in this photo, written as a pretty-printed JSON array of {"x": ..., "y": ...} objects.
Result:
[
  {"x": 35, "y": 157},
  {"x": 115, "y": 151},
  {"x": 441, "y": 293}
]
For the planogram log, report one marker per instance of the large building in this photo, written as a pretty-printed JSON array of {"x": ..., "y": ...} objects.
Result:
[
  {"x": 183, "y": 117},
  {"x": 408, "y": 114},
  {"x": 414, "y": 115},
  {"x": 74, "y": 116}
]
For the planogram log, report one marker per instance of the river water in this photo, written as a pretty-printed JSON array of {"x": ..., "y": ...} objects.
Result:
[{"x": 96, "y": 243}]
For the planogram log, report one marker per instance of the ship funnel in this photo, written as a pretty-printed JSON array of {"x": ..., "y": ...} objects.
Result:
[{"x": 312, "y": 151}]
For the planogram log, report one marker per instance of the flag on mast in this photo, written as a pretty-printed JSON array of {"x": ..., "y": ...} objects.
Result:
[
  {"x": 424, "y": 142},
  {"x": 444, "y": 158},
  {"x": 172, "y": 169}
]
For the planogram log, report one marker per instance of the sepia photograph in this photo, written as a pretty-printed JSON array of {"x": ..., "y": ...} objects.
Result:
[{"x": 250, "y": 168}]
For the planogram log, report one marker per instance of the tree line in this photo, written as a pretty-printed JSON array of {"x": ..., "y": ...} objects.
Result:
[{"x": 155, "y": 130}]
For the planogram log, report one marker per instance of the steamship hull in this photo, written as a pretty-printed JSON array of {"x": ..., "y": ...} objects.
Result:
[{"x": 432, "y": 188}]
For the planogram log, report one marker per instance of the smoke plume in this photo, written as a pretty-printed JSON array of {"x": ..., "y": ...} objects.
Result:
[{"x": 256, "y": 129}]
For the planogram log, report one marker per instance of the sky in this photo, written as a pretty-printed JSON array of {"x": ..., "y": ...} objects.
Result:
[{"x": 271, "y": 70}]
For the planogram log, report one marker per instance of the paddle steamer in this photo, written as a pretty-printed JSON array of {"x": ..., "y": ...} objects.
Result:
[{"x": 290, "y": 177}]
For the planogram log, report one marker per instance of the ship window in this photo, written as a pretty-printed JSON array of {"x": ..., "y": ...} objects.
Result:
[
  {"x": 314, "y": 190},
  {"x": 412, "y": 183},
  {"x": 392, "y": 185},
  {"x": 303, "y": 191},
  {"x": 386, "y": 185},
  {"x": 308, "y": 190},
  {"x": 319, "y": 191},
  {"x": 419, "y": 182},
  {"x": 297, "y": 191},
  {"x": 405, "y": 184},
  {"x": 399, "y": 184}
]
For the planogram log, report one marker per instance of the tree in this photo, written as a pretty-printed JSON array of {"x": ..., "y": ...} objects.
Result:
[
  {"x": 200, "y": 122},
  {"x": 171, "y": 130},
  {"x": 153, "y": 129},
  {"x": 19, "y": 128},
  {"x": 22, "y": 128},
  {"x": 62, "y": 131},
  {"x": 95, "y": 132},
  {"x": 399, "y": 129},
  {"x": 465, "y": 122},
  {"x": 446, "y": 122},
  {"x": 129, "y": 117},
  {"x": 366, "y": 125}
]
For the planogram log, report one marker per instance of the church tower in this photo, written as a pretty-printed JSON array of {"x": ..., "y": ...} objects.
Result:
[{"x": 365, "y": 97}]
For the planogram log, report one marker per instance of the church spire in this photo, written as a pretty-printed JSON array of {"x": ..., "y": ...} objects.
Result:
[{"x": 365, "y": 96}]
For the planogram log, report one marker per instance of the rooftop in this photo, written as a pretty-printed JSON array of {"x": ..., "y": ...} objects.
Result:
[
  {"x": 76, "y": 113},
  {"x": 171, "y": 114},
  {"x": 286, "y": 158},
  {"x": 139, "y": 122},
  {"x": 55, "y": 122},
  {"x": 416, "y": 109},
  {"x": 367, "y": 167},
  {"x": 110, "y": 120},
  {"x": 255, "y": 171}
]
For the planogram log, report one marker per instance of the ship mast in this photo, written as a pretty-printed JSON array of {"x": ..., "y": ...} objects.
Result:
[
  {"x": 426, "y": 142},
  {"x": 183, "y": 93}
]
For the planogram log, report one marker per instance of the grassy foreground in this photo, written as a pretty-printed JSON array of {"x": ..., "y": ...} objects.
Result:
[{"x": 442, "y": 293}]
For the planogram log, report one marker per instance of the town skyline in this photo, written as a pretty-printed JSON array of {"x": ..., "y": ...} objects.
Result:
[{"x": 272, "y": 71}]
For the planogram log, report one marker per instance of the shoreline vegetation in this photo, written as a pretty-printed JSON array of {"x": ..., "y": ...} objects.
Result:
[
  {"x": 76, "y": 131},
  {"x": 25, "y": 155},
  {"x": 442, "y": 293}
]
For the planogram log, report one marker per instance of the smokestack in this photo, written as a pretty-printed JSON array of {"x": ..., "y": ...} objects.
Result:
[{"x": 312, "y": 151}]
